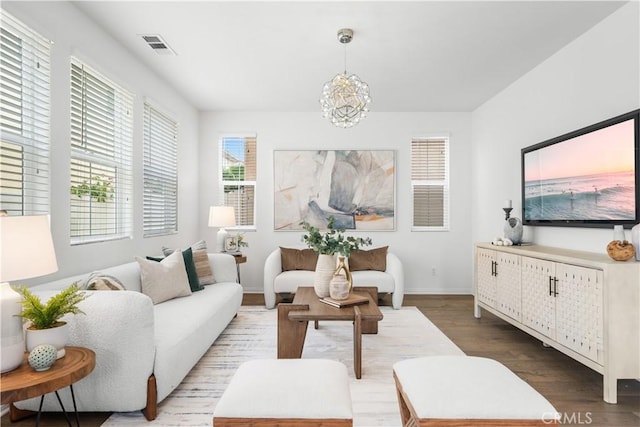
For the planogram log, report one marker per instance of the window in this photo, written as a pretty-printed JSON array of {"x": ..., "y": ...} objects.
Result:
[
  {"x": 430, "y": 183},
  {"x": 238, "y": 177},
  {"x": 24, "y": 119},
  {"x": 101, "y": 138},
  {"x": 160, "y": 175}
]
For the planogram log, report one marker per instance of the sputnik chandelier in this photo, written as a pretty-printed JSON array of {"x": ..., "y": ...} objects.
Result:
[{"x": 345, "y": 99}]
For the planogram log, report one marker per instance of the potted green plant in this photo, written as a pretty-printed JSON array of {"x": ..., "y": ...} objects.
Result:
[
  {"x": 234, "y": 243},
  {"x": 45, "y": 326},
  {"x": 327, "y": 245}
]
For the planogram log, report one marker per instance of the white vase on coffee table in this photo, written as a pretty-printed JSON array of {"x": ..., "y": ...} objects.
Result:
[{"x": 325, "y": 267}]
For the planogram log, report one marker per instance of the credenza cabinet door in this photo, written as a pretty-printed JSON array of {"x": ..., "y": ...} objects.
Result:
[
  {"x": 579, "y": 316},
  {"x": 538, "y": 299},
  {"x": 486, "y": 280},
  {"x": 508, "y": 294}
]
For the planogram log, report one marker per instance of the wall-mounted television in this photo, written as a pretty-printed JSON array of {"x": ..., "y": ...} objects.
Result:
[{"x": 585, "y": 178}]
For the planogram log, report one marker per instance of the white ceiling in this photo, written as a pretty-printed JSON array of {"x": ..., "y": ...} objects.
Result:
[{"x": 275, "y": 56}]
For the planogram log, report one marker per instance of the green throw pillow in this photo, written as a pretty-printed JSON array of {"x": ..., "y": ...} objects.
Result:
[{"x": 192, "y": 273}]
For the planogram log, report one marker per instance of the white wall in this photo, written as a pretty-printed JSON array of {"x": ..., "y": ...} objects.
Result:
[
  {"x": 594, "y": 78},
  {"x": 420, "y": 251},
  {"x": 74, "y": 34}
]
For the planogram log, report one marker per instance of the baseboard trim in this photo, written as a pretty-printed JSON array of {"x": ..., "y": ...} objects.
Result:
[{"x": 442, "y": 291}]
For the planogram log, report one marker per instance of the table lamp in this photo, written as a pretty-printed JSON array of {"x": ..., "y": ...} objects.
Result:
[
  {"x": 221, "y": 217},
  {"x": 26, "y": 250}
]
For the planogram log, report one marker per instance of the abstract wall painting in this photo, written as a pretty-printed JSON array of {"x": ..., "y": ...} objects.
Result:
[{"x": 356, "y": 187}]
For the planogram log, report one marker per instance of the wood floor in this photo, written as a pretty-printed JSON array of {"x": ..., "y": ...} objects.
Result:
[{"x": 574, "y": 390}]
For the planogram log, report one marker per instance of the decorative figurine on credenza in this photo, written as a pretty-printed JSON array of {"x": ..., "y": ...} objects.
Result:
[{"x": 512, "y": 225}]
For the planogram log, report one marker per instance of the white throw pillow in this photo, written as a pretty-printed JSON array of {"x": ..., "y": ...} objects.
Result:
[{"x": 164, "y": 280}]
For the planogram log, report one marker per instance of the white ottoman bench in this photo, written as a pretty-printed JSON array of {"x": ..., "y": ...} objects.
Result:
[
  {"x": 286, "y": 392},
  {"x": 465, "y": 390}
]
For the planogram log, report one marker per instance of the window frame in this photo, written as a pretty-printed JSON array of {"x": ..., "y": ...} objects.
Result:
[
  {"x": 244, "y": 183},
  {"x": 25, "y": 119},
  {"x": 444, "y": 183},
  {"x": 91, "y": 141}
]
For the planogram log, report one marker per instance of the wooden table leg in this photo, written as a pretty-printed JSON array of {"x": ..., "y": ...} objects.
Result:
[
  {"x": 369, "y": 326},
  {"x": 357, "y": 342},
  {"x": 17, "y": 414},
  {"x": 291, "y": 333}
]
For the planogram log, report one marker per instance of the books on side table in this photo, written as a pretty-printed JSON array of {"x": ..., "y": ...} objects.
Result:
[{"x": 353, "y": 299}]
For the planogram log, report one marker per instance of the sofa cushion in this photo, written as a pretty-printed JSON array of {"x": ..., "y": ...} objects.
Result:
[
  {"x": 185, "y": 329},
  {"x": 164, "y": 280},
  {"x": 98, "y": 281},
  {"x": 374, "y": 259},
  {"x": 289, "y": 281},
  {"x": 201, "y": 261},
  {"x": 298, "y": 259},
  {"x": 380, "y": 279}
]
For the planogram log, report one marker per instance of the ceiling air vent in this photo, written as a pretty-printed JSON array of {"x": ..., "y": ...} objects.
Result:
[{"x": 158, "y": 44}]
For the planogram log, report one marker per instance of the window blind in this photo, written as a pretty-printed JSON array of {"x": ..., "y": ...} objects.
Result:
[
  {"x": 24, "y": 118},
  {"x": 237, "y": 177},
  {"x": 101, "y": 146},
  {"x": 430, "y": 184},
  {"x": 160, "y": 175}
]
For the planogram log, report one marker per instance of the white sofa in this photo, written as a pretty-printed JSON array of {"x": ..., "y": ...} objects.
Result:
[
  {"x": 142, "y": 350},
  {"x": 277, "y": 281}
]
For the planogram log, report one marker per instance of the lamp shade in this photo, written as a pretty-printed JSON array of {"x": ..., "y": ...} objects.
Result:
[
  {"x": 26, "y": 250},
  {"x": 222, "y": 216},
  {"x": 26, "y": 247}
]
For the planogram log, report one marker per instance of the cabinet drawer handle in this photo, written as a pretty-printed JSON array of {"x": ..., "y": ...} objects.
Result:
[{"x": 550, "y": 281}]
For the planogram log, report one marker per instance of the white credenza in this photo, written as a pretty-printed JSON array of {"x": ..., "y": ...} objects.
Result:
[{"x": 584, "y": 304}]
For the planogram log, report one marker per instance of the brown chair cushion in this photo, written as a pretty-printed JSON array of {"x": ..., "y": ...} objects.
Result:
[
  {"x": 374, "y": 259},
  {"x": 298, "y": 259}
]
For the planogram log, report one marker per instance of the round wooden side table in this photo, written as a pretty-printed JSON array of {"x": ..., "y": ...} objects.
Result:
[
  {"x": 240, "y": 259},
  {"x": 24, "y": 382}
]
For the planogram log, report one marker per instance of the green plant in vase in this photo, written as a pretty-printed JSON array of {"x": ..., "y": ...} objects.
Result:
[
  {"x": 333, "y": 241},
  {"x": 327, "y": 245},
  {"x": 235, "y": 242},
  {"x": 45, "y": 326}
]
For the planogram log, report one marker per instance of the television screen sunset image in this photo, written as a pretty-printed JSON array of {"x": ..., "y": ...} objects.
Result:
[{"x": 589, "y": 177}]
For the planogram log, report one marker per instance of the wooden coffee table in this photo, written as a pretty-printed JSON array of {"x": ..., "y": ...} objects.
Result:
[
  {"x": 24, "y": 382},
  {"x": 293, "y": 320}
]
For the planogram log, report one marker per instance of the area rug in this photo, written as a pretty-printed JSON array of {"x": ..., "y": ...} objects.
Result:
[{"x": 402, "y": 334}]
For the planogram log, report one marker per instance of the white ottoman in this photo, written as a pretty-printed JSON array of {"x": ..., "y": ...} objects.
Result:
[
  {"x": 270, "y": 392},
  {"x": 465, "y": 390}
]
